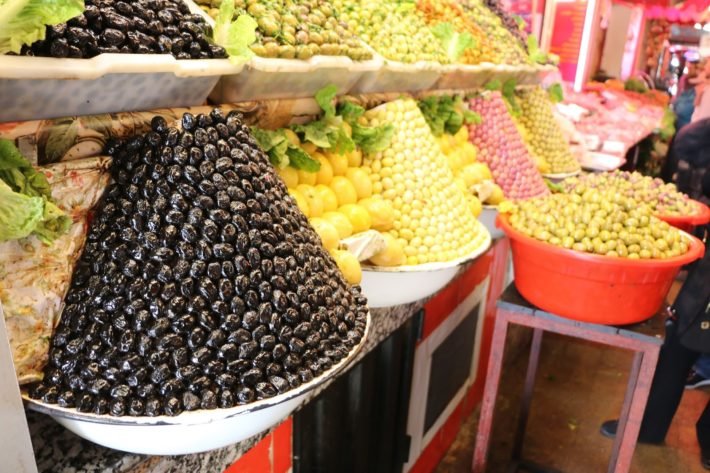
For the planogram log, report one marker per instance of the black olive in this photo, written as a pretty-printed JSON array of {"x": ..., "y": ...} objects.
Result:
[
  {"x": 279, "y": 351},
  {"x": 190, "y": 401},
  {"x": 172, "y": 406},
  {"x": 153, "y": 407},
  {"x": 265, "y": 390},
  {"x": 226, "y": 398},
  {"x": 208, "y": 400},
  {"x": 160, "y": 374}
]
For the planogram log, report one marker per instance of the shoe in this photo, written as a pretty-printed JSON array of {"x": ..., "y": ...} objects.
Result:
[
  {"x": 696, "y": 381},
  {"x": 609, "y": 428}
]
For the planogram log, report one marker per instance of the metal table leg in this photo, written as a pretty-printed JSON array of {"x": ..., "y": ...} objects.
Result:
[
  {"x": 495, "y": 365},
  {"x": 637, "y": 392},
  {"x": 527, "y": 393}
]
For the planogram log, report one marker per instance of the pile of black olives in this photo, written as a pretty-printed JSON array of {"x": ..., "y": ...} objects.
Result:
[
  {"x": 201, "y": 284},
  {"x": 133, "y": 27}
]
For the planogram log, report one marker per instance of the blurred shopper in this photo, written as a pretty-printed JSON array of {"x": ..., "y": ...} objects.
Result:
[
  {"x": 687, "y": 336},
  {"x": 684, "y": 102},
  {"x": 702, "y": 94}
]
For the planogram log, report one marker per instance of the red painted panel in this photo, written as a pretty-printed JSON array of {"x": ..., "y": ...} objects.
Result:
[
  {"x": 282, "y": 446},
  {"x": 256, "y": 460}
]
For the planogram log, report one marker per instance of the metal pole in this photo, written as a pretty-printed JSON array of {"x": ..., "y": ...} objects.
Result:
[{"x": 16, "y": 452}]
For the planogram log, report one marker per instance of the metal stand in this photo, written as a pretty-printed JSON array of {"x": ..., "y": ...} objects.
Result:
[
  {"x": 15, "y": 444},
  {"x": 512, "y": 309}
]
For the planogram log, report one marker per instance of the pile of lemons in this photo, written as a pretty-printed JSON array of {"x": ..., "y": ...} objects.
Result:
[{"x": 338, "y": 201}]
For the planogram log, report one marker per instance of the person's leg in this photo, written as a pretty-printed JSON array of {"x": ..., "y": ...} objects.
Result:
[
  {"x": 702, "y": 366},
  {"x": 702, "y": 428},
  {"x": 674, "y": 363}
]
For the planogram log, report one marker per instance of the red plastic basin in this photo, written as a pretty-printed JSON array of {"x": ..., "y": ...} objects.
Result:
[
  {"x": 592, "y": 288},
  {"x": 688, "y": 222}
]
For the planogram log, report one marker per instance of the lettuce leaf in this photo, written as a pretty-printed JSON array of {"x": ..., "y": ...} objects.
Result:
[
  {"x": 453, "y": 42},
  {"x": 26, "y": 205},
  {"x": 24, "y": 21},
  {"x": 235, "y": 36},
  {"x": 446, "y": 114},
  {"x": 19, "y": 214},
  {"x": 281, "y": 152},
  {"x": 556, "y": 93},
  {"x": 19, "y": 174},
  {"x": 371, "y": 139},
  {"x": 536, "y": 54}
]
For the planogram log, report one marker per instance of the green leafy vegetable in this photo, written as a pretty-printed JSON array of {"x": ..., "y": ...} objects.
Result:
[
  {"x": 453, "y": 42},
  {"x": 26, "y": 205},
  {"x": 446, "y": 114},
  {"x": 556, "y": 93},
  {"x": 299, "y": 159},
  {"x": 371, "y": 139},
  {"x": 24, "y": 21},
  {"x": 494, "y": 84},
  {"x": 235, "y": 36},
  {"x": 19, "y": 214},
  {"x": 508, "y": 92},
  {"x": 328, "y": 132},
  {"x": 520, "y": 22},
  {"x": 325, "y": 97},
  {"x": 282, "y": 152},
  {"x": 536, "y": 54}
]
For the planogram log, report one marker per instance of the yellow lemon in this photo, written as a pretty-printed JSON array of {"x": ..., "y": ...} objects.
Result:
[
  {"x": 347, "y": 129},
  {"x": 344, "y": 190},
  {"x": 475, "y": 173},
  {"x": 340, "y": 222},
  {"x": 308, "y": 178},
  {"x": 361, "y": 181},
  {"x": 326, "y": 231},
  {"x": 380, "y": 211},
  {"x": 327, "y": 197},
  {"x": 348, "y": 265},
  {"x": 358, "y": 216},
  {"x": 469, "y": 153},
  {"x": 339, "y": 163},
  {"x": 289, "y": 176},
  {"x": 309, "y": 148},
  {"x": 292, "y": 137},
  {"x": 325, "y": 173},
  {"x": 474, "y": 204},
  {"x": 496, "y": 196},
  {"x": 461, "y": 136},
  {"x": 301, "y": 201},
  {"x": 315, "y": 205},
  {"x": 392, "y": 255},
  {"x": 355, "y": 158}
]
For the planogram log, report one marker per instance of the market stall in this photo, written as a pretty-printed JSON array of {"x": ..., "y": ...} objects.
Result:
[{"x": 221, "y": 219}]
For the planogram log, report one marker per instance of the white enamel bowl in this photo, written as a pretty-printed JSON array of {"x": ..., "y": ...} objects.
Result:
[
  {"x": 391, "y": 286},
  {"x": 189, "y": 432}
]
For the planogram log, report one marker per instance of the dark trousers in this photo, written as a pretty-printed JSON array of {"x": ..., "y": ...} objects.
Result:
[{"x": 674, "y": 364}]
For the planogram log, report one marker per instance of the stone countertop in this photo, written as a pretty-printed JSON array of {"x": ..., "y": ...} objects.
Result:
[{"x": 59, "y": 450}]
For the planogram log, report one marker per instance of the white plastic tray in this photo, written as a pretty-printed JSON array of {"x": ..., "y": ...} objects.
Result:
[
  {"x": 189, "y": 432},
  {"x": 34, "y": 88},
  {"x": 464, "y": 76},
  {"x": 601, "y": 162},
  {"x": 266, "y": 78},
  {"x": 396, "y": 76},
  {"x": 390, "y": 286}
]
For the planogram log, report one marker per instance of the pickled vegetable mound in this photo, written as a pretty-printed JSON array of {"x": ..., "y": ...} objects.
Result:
[
  {"x": 544, "y": 135},
  {"x": 201, "y": 284},
  {"x": 130, "y": 27},
  {"x": 663, "y": 198},
  {"x": 597, "y": 221},
  {"x": 297, "y": 29}
]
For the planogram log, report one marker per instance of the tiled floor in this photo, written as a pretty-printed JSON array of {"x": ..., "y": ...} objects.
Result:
[{"x": 579, "y": 385}]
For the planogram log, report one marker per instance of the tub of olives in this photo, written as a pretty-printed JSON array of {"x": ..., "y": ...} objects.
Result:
[{"x": 35, "y": 88}]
